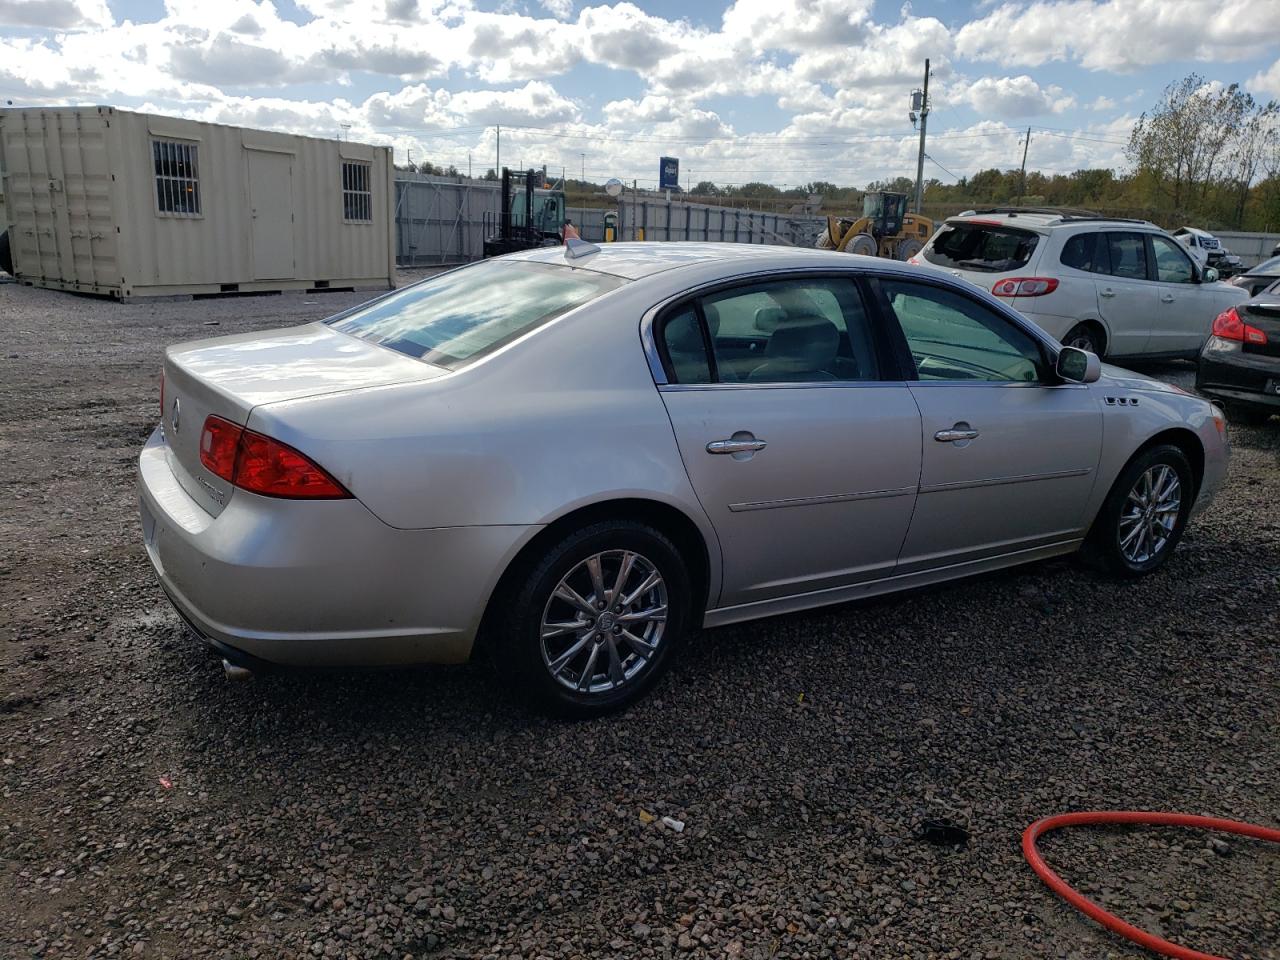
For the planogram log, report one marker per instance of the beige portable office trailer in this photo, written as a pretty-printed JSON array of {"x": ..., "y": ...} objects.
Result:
[{"x": 126, "y": 204}]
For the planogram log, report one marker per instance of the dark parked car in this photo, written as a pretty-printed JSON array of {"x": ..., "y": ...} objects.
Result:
[
  {"x": 1240, "y": 362},
  {"x": 1256, "y": 279}
]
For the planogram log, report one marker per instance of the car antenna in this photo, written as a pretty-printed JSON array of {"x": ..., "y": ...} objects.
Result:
[{"x": 574, "y": 249}]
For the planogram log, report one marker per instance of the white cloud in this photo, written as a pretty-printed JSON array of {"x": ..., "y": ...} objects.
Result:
[
  {"x": 55, "y": 14},
  {"x": 1266, "y": 83},
  {"x": 1016, "y": 97},
  {"x": 560, "y": 9},
  {"x": 1122, "y": 35},
  {"x": 796, "y": 27}
]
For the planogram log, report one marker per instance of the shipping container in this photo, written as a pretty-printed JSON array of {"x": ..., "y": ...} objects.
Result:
[{"x": 124, "y": 204}]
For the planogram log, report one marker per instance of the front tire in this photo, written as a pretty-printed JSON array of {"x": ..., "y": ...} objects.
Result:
[
  {"x": 1144, "y": 515},
  {"x": 596, "y": 621}
]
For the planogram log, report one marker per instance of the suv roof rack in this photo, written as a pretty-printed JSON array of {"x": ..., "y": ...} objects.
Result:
[{"x": 1064, "y": 214}]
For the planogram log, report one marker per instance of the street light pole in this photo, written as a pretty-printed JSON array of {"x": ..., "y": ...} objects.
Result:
[
  {"x": 924, "y": 121},
  {"x": 584, "y": 167}
]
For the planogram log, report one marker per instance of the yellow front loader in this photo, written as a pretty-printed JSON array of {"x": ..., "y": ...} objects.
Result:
[{"x": 884, "y": 230}]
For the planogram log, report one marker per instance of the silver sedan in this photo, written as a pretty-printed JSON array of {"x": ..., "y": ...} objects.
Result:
[{"x": 574, "y": 457}]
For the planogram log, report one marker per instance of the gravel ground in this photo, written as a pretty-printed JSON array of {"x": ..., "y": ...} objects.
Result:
[{"x": 151, "y": 808}]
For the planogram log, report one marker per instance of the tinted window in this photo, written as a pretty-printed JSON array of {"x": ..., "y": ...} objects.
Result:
[
  {"x": 685, "y": 348},
  {"x": 1172, "y": 264},
  {"x": 461, "y": 315},
  {"x": 1087, "y": 251},
  {"x": 1128, "y": 255},
  {"x": 791, "y": 331},
  {"x": 953, "y": 338},
  {"x": 986, "y": 247}
]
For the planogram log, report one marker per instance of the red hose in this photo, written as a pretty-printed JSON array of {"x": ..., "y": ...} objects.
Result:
[{"x": 1091, "y": 909}]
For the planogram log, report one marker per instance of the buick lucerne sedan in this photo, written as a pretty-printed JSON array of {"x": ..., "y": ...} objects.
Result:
[{"x": 572, "y": 457}]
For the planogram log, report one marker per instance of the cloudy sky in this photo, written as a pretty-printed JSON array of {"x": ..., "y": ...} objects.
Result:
[{"x": 749, "y": 90}]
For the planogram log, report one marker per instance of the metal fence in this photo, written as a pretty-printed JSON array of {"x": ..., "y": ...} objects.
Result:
[{"x": 441, "y": 220}]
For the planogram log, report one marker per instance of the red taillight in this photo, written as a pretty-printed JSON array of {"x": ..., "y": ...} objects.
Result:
[
  {"x": 271, "y": 468},
  {"x": 261, "y": 465},
  {"x": 1229, "y": 326},
  {"x": 219, "y": 441},
  {"x": 1025, "y": 286}
]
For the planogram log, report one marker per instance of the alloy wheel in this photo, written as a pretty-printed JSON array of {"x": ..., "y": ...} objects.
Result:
[
  {"x": 1150, "y": 513},
  {"x": 604, "y": 622}
]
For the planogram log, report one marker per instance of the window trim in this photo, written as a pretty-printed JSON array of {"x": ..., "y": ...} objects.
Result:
[
  {"x": 193, "y": 146},
  {"x": 654, "y": 320},
  {"x": 1048, "y": 350},
  {"x": 365, "y": 195}
]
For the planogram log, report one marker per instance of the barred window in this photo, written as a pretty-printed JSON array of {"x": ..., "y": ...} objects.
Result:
[
  {"x": 177, "y": 177},
  {"x": 357, "y": 197}
]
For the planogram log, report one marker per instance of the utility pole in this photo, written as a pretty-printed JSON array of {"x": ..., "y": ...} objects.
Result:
[
  {"x": 468, "y": 164},
  {"x": 584, "y": 167},
  {"x": 1022, "y": 178},
  {"x": 924, "y": 122},
  {"x": 497, "y": 168}
]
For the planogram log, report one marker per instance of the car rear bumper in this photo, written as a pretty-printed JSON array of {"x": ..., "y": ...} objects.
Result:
[
  {"x": 1238, "y": 376},
  {"x": 317, "y": 583}
]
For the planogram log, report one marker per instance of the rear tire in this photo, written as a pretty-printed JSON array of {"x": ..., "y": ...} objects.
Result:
[
  {"x": 6, "y": 254},
  {"x": 909, "y": 248},
  {"x": 1084, "y": 336},
  {"x": 1143, "y": 517},
  {"x": 575, "y": 641}
]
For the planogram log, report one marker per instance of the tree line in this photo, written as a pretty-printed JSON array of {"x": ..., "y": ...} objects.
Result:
[{"x": 1205, "y": 155}]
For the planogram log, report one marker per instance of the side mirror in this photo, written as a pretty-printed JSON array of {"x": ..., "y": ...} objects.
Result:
[
  {"x": 1209, "y": 275},
  {"x": 1078, "y": 366}
]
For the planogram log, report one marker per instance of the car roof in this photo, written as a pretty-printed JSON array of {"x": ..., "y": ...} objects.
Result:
[
  {"x": 634, "y": 261},
  {"x": 1194, "y": 231},
  {"x": 1041, "y": 219}
]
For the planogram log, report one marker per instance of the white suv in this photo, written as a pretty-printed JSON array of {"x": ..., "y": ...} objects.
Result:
[{"x": 1118, "y": 288}]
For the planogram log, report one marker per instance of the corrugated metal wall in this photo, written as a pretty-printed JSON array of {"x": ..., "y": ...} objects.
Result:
[
  {"x": 441, "y": 220},
  {"x": 81, "y": 188},
  {"x": 1252, "y": 248}
]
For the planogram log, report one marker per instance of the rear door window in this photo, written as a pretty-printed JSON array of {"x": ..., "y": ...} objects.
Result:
[
  {"x": 986, "y": 247},
  {"x": 1128, "y": 255}
]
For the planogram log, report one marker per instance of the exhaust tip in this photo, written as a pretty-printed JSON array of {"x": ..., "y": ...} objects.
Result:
[{"x": 234, "y": 672}]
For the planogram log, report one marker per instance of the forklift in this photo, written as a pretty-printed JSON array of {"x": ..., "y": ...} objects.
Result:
[
  {"x": 530, "y": 216},
  {"x": 884, "y": 230}
]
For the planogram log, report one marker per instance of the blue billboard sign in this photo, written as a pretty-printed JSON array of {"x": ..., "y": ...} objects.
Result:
[{"x": 668, "y": 173}]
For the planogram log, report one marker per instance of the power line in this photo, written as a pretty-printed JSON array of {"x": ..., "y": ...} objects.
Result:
[{"x": 942, "y": 168}]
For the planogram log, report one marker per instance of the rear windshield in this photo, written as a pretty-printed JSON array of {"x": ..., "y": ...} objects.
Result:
[
  {"x": 458, "y": 317},
  {"x": 1267, "y": 266},
  {"x": 990, "y": 248}
]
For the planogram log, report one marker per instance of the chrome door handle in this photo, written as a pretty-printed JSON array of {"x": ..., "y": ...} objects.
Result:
[
  {"x": 738, "y": 445},
  {"x": 954, "y": 434},
  {"x": 1168, "y": 298},
  {"x": 1108, "y": 292}
]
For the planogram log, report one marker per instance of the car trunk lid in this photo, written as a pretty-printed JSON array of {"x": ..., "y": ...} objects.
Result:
[
  {"x": 1265, "y": 316},
  {"x": 229, "y": 376}
]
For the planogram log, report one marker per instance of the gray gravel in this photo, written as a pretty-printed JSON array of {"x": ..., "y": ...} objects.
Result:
[{"x": 150, "y": 808}]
